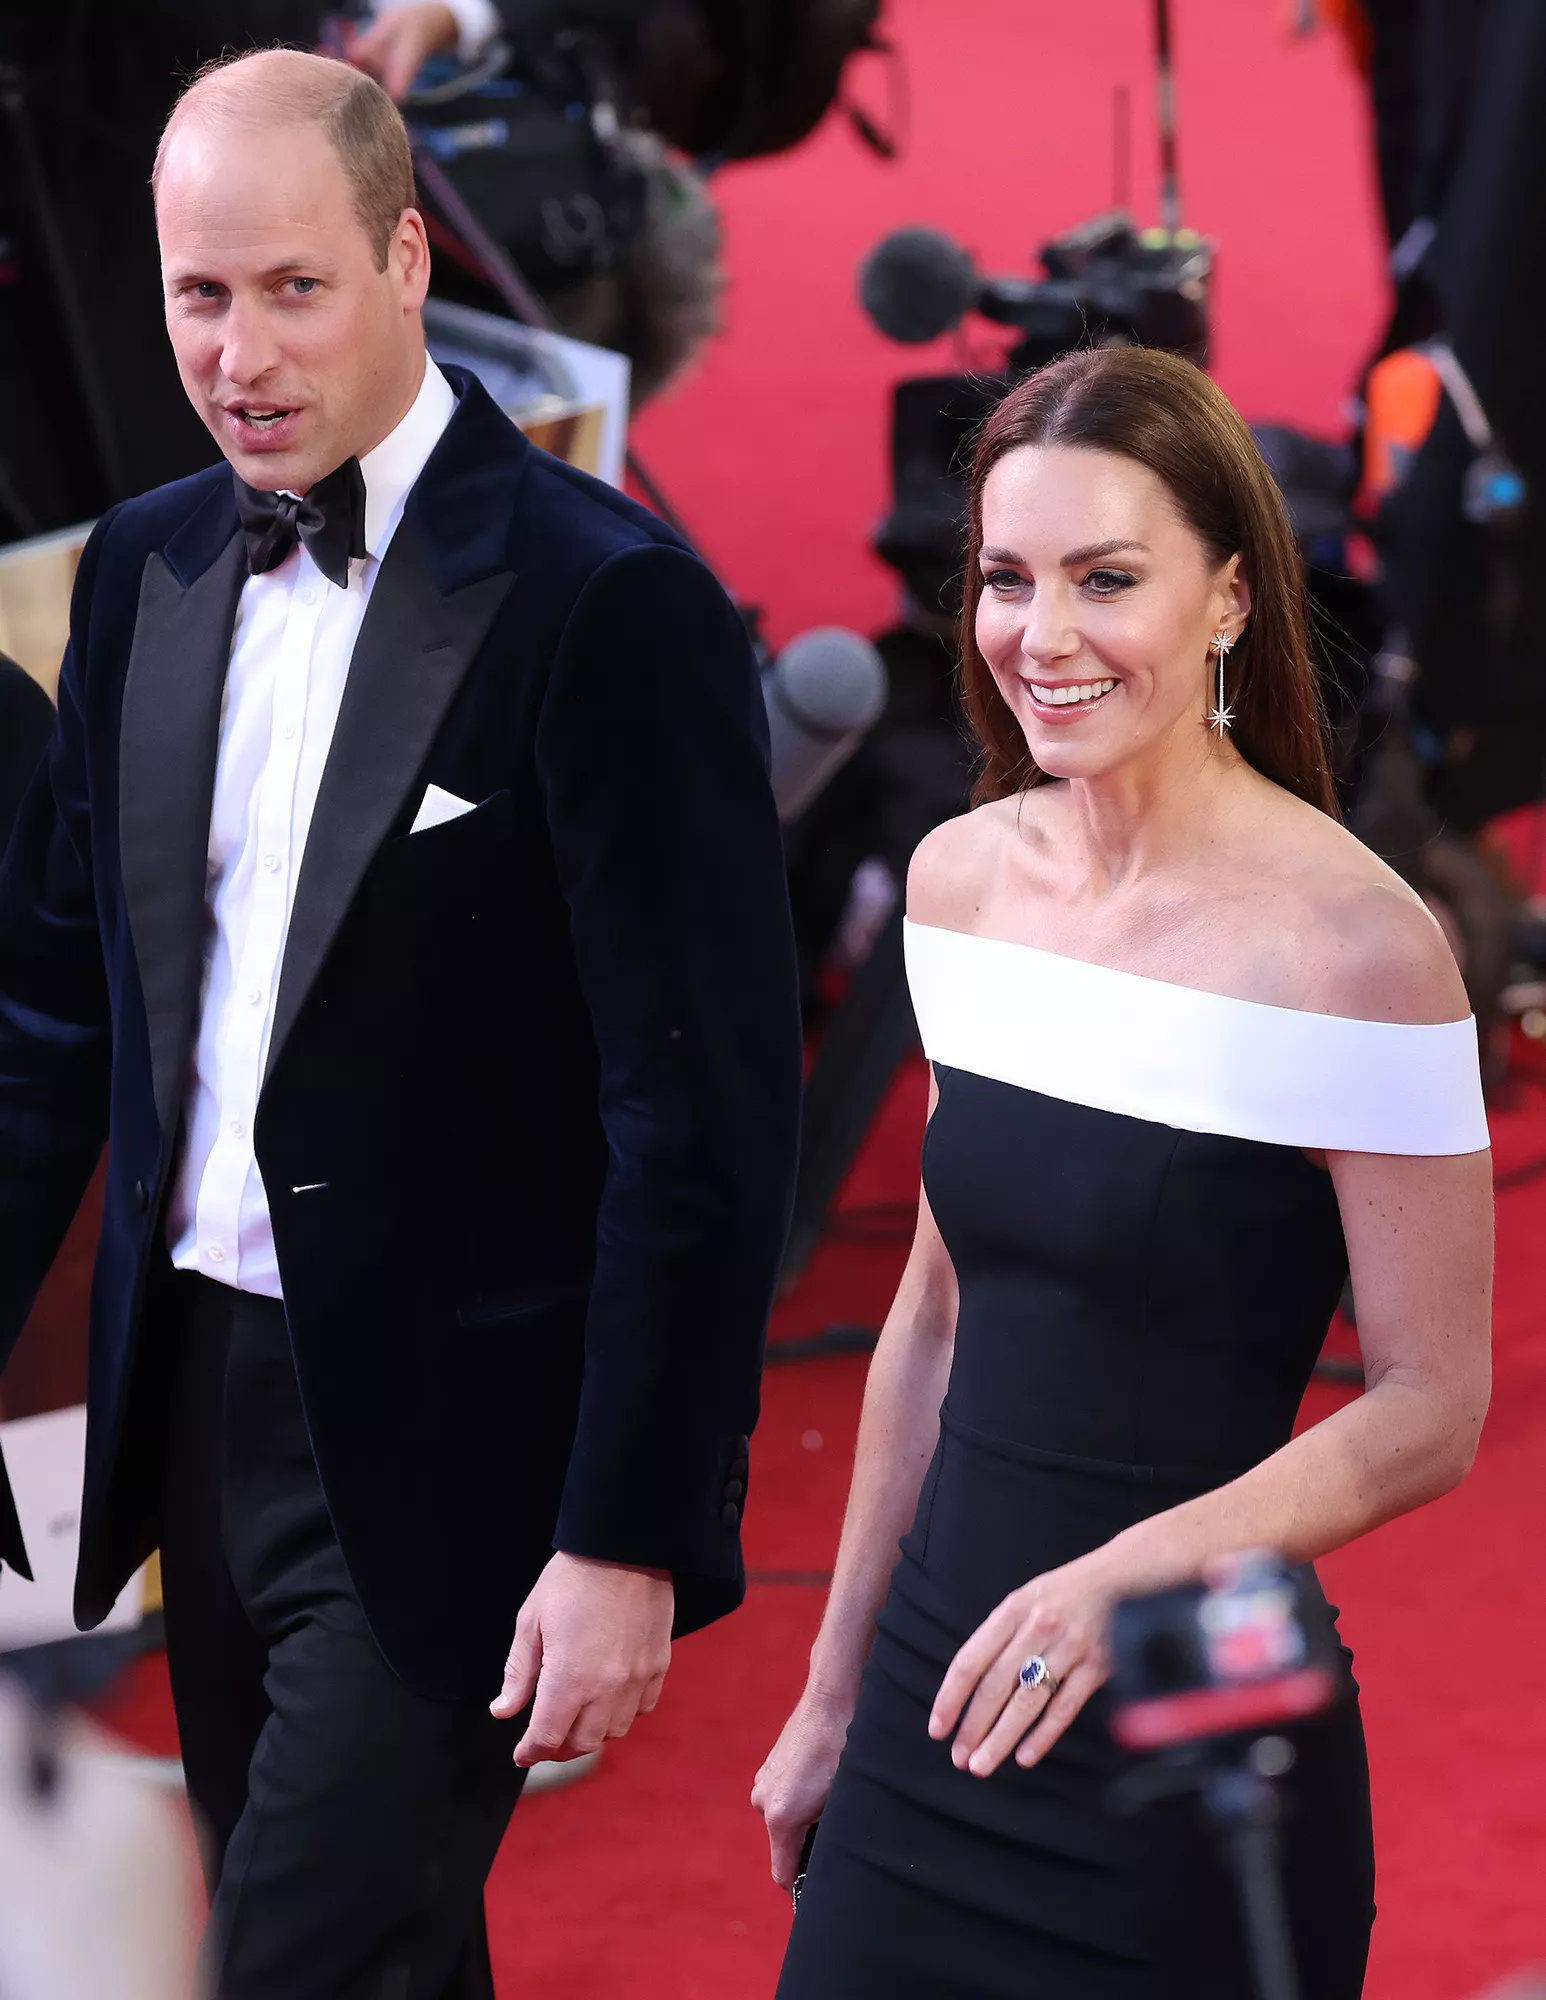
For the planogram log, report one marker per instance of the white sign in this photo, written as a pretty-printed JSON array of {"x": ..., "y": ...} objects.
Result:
[{"x": 46, "y": 1459}]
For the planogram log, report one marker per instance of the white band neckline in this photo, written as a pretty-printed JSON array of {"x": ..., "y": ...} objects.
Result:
[{"x": 1199, "y": 1061}]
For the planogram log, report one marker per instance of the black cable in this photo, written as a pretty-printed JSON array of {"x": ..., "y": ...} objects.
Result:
[
  {"x": 1514, "y": 1177},
  {"x": 843, "y": 1338},
  {"x": 873, "y": 1222}
]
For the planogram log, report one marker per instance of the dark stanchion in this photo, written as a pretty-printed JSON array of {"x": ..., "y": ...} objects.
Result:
[{"x": 865, "y": 1042}]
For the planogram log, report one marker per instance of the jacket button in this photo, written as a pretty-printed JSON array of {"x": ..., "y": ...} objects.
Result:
[
  {"x": 743, "y": 1446},
  {"x": 141, "y": 1196},
  {"x": 734, "y": 1489},
  {"x": 731, "y": 1515}
]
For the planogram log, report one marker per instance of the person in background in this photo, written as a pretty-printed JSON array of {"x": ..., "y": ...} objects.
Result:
[
  {"x": 406, "y": 909},
  {"x": 1195, "y": 1050},
  {"x": 398, "y": 37}
]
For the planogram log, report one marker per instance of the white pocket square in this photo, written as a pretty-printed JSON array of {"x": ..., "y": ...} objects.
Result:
[{"x": 437, "y": 808}]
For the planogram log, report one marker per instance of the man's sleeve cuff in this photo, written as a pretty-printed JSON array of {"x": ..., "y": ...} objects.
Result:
[{"x": 477, "y": 24}]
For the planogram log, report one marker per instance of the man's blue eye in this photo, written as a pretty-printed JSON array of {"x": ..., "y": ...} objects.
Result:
[{"x": 305, "y": 285}]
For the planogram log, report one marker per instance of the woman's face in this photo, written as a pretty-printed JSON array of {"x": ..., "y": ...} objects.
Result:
[{"x": 1098, "y": 606}]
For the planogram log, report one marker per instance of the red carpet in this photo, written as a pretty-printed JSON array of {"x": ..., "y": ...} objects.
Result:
[{"x": 649, "y": 1881}]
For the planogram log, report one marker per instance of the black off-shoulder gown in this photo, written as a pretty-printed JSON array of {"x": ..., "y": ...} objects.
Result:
[{"x": 1141, "y": 1306}]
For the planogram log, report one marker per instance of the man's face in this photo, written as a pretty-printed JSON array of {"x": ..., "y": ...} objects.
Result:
[{"x": 293, "y": 348}]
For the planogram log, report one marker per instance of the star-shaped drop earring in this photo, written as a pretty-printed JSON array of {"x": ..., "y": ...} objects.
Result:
[{"x": 1220, "y": 716}]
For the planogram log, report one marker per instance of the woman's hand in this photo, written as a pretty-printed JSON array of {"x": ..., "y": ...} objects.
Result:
[
  {"x": 1063, "y": 1617},
  {"x": 792, "y": 1786}
]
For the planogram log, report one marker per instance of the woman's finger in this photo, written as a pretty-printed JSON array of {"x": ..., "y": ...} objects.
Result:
[
  {"x": 970, "y": 1664},
  {"x": 785, "y": 1840},
  {"x": 625, "y": 1708},
  {"x": 1060, "y": 1712},
  {"x": 999, "y": 1691},
  {"x": 587, "y": 1732}
]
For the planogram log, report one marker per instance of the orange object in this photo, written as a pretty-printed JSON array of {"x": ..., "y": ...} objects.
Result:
[{"x": 1401, "y": 399}]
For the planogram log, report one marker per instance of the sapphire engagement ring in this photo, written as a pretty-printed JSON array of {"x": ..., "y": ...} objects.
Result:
[{"x": 1037, "y": 1674}]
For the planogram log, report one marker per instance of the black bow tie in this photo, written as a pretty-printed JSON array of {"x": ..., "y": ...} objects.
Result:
[{"x": 330, "y": 520}]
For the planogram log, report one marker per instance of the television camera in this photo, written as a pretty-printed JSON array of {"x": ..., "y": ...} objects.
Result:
[{"x": 1104, "y": 282}]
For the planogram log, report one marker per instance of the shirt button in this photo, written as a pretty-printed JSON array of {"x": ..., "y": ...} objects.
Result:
[
  {"x": 271, "y": 862},
  {"x": 215, "y": 1254},
  {"x": 289, "y": 732},
  {"x": 254, "y": 995},
  {"x": 236, "y": 1128},
  {"x": 308, "y": 595}
]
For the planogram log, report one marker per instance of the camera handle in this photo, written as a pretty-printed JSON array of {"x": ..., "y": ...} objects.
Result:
[
  {"x": 1244, "y": 1807},
  {"x": 1235, "y": 1782}
]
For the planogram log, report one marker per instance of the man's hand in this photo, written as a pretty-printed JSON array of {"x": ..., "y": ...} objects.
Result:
[
  {"x": 593, "y": 1641},
  {"x": 397, "y": 45}
]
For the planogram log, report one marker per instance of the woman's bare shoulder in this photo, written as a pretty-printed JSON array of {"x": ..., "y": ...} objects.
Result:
[
  {"x": 1375, "y": 951},
  {"x": 953, "y": 868}
]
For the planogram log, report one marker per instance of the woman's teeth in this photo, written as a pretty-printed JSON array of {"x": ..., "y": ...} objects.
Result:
[{"x": 1069, "y": 692}]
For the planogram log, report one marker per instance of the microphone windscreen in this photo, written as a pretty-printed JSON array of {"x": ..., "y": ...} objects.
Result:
[
  {"x": 916, "y": 284},
  {"x": 823, "y": 692}
]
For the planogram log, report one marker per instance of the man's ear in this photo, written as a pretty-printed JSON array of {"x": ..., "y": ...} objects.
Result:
[{"x": 408, "y": 258}]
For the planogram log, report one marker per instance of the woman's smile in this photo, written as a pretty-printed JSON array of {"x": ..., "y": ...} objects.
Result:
[{"x": 1065, "y": 700}]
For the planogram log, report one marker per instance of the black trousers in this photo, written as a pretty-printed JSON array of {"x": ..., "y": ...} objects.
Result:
[{"x": 348, "y": 1824}]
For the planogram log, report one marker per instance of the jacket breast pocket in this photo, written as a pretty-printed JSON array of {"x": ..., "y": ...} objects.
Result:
[{"x": 471, "y": 826}]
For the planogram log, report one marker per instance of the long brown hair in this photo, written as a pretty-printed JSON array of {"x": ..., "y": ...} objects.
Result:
[{"x": 1162, "y": 412}]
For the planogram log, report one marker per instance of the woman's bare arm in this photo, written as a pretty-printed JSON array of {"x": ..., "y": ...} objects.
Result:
[
  {"x": 897, "y": 1431},
  {"x": 1419, "y": 1238}
]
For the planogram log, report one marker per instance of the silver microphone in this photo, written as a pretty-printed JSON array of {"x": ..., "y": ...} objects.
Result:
[{"x": 824, "y": 691}]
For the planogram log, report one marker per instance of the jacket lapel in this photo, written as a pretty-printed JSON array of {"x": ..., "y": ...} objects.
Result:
[
  {"x": 414, "y": 647},
  {"x": 169, "y": 738}
]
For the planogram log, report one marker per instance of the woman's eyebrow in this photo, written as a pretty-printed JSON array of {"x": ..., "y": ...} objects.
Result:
[
  {"x": 1073, "y": 560},
  {"x": 1076, "y": 558}
]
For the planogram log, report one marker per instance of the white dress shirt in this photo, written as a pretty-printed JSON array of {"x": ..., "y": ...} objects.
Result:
[{"x": 290, "y": 652}]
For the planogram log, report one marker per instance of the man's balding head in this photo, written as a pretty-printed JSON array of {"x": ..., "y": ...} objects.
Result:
[
  {"x": 293, "y": 261},
  {"x": 274, "y": 88}
]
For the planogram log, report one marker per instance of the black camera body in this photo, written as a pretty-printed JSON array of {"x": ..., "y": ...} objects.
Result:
[
  {"x": 1253, "y": 1650},
  {"x": 1108, "y": 283},
  {"x": 1105, "y": 282}
]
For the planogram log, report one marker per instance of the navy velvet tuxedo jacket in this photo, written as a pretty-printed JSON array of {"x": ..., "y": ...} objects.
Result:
[{"x": 528, "y": 1125}]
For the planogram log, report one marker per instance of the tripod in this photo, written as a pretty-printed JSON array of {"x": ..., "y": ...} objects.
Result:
[{"x": 1236, "y": 1782}]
